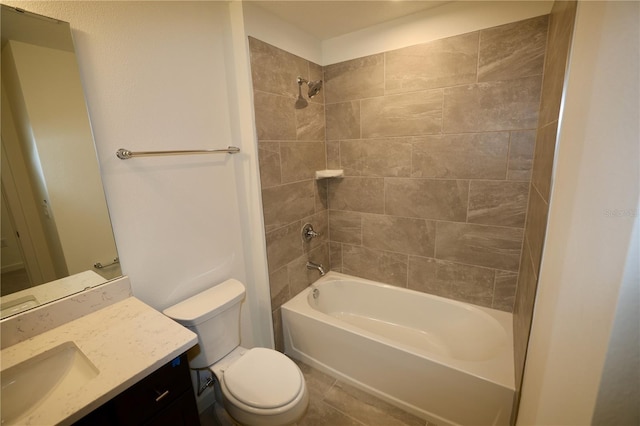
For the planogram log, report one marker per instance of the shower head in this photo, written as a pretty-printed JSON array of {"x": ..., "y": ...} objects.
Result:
[{"x": 314, "y": 87}]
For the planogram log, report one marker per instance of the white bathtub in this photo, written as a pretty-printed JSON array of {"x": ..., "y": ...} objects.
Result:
[{"x": 448, "y": 362}]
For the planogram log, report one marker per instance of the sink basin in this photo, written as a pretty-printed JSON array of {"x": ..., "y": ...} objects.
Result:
[{"x": 43, "y": 379}]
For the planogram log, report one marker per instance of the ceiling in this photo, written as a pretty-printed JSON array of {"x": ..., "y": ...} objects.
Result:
[{"x": 328, "y": 19}]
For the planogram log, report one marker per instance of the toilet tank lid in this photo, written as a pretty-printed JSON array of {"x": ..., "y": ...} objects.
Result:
[{"x": 207, "y": 304}]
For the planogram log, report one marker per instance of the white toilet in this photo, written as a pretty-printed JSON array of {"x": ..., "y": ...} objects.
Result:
[{"x": 259, "y": 386}]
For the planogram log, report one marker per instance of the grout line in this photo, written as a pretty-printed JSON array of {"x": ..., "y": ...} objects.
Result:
[
  {"x": 466, "y": 220},
  {"x": 431, "y": 219},
  {"x": 478, "y": 58},
  {"x": 493, "y": 291},
  {"x": 456, "y": 262}
]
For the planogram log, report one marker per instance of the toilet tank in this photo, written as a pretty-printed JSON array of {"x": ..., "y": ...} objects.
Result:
[{"x": 214, "y": 315}]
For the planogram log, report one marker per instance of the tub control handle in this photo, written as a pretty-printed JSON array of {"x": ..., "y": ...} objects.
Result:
[{"x": 308, "y": 233}]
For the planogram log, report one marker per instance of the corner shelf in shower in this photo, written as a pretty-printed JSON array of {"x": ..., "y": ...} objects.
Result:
[{"x": 328, "y": 174}]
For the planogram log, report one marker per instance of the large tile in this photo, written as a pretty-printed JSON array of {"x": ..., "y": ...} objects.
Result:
[
  {"x": 278, "y": 335},
  {"x": 399, "y": 234},
  {"x": 543, "y": 159},
  {"x": 275, "y": 117},
  {"x": 320, "y": 413},
  {"x": 343, "y": 120},
  {"x": 377, "y": 265},
  {"x": 283, "y": 245},
  {"x": 284, "y": 204},
  {"x": 376, "y": 157},
  {"x": 279, "y": 286},
  {"x": 463, "y": 156},
  {"x": 521, "y": 146},
  {"x": 471, "y": 284},
  {"x": 333, "y": 154},
  {"x": 479, "y": 245},
  {"x": 321, "y": 189},
  {"x": 368, "y": 409},
  {"x": 300, "y": 160},
  {"x": 536, "y": 227},
  {"x": 335, "y": 256},
  {"x": 357, "y": 194},
  {"x": 501, "y": 203},
  {"x": 513, "y": 50},
  {"x": 446, "y": 62},
  {"x": 423, "y": 277},
  {"x": 310, "y": 123},
  {"x": 354, "y": 79},
  {"x": 345, "y": 227},
  {"x": 269, "y": 164},
  {"x": 561, "y": 22},
  {"x": 494, "y": 106},
  {"x": 427, "y": 198},
  {"x": 274, "y": 70},
  {"x": 417, "y": 113},
  {"x": 504, "y": 291}
]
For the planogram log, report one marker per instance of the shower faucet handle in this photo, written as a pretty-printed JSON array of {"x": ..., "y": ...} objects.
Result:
[{"x": 308, "y": 233}]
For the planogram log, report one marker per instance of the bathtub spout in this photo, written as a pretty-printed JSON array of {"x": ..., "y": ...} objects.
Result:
[{"x": 319, "y": 267}]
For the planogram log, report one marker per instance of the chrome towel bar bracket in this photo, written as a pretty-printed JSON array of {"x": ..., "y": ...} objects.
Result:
[
  {"x": 125, "y": 154},
  {"x": 99, "y": 265}
]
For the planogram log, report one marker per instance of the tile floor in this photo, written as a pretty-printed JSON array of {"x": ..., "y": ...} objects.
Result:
[{"x": 334, "y": 403}]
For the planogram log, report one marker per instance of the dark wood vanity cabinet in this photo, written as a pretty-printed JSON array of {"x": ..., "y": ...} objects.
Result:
[{"x": 164, "y": 398}]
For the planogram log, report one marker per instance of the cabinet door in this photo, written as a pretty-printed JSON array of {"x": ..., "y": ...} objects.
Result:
[{"x": 165, "y": 397}]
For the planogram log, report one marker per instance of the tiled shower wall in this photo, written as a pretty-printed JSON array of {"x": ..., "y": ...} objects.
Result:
[
  {"x": 291, "y": 147},
  {"x": 436, "y": 141},
  {"x": 561, "y": 23}
]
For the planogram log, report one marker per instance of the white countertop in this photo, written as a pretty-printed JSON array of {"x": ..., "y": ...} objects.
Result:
[
  {"x": 47, "y": 292},
  {"x": 125, "y": 341}
]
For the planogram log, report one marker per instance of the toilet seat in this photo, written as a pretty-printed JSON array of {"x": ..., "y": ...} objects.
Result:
[
  {"x": 261, "y": 387},
  {"x": 263, "y": 378}
]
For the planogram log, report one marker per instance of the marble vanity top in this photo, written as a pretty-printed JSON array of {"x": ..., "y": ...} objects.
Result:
[{"x": 125, "y": 341}]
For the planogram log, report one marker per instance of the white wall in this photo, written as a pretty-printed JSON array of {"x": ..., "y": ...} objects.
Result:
[
  {"x": 265, "y": 26},
  {"x": 619, "y": 391},
  {"x": 155, "y": 78},
  {"x": 593, "y": 207}
]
